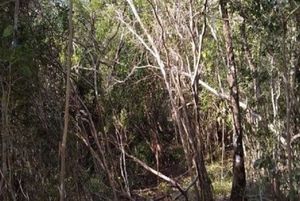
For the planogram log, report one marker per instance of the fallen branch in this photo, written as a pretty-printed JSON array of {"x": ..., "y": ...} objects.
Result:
[{"x": 159, "y": 174}]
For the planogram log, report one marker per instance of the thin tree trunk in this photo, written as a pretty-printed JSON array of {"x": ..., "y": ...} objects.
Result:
[
  {"x": 288, "y": 112},
  {"x": 4, "y": 136},
  {"x": 223, "y": 149},
  {"x": 6, "y": 174},
  {"x": 293, "y": 98},
  {"x": 188, "y": 129},
  {"x": 239, "y": 176},
  {"x": 191, "y": 130},
  {"x": 204, "y": 181},
  {"x": 275, "y": 93},
  {"x": 62, "y": 191},
  {"x": 101, "y": 157}
]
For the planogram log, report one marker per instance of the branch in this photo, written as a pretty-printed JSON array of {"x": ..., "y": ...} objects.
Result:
[
  {"x": 154, "y": 51},
  {"x": 196, "y": 73},
  {"x": 189, "y": 186},
  {"x": 137, "y": 36},
  {"x": 295, "y": 137},
  {"x": 157, "y": 173},
  {"x": 226, "y": 97}
]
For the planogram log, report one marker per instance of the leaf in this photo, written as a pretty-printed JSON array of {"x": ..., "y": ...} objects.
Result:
[{"x": 8, "y": 31}]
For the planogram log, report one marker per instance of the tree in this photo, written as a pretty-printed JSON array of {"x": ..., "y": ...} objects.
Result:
[
  {"x": 171, "y": 72},
  {"x": 67, "y": 103},
  {"x": 157, "y": 90},
  {"x": 239, "y": 176}
]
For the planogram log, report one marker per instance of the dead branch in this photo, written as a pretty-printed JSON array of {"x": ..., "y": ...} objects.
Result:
[{"x": 157, "y": 173}]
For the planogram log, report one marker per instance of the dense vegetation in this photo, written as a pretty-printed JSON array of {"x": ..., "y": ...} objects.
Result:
[{"x": 150, "y": 100}]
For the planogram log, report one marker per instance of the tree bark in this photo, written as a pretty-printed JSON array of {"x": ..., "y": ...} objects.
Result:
[
  {"x": 62, "y": 191},
  {"x": 288, "y": 111},
  {"x": 239, "y": 176}
]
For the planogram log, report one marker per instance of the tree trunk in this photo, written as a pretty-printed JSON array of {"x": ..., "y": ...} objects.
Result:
[
  {"x": 62, "y": 192},
  {"x": 4, "y": 137},
  {"x": 288, "y": 111},
  {"x": 239, "y": 176},
  {"x": 190, "y": 129},
  {"x": 204, "y": 181},
  {"x": 6, "y": 186}
]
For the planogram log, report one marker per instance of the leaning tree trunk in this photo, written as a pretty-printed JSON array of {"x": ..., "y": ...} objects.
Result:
[{"x": 239, "y": 177}]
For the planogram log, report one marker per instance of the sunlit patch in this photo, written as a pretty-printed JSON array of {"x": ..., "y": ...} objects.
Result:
[{"x": 237, "y": 159}]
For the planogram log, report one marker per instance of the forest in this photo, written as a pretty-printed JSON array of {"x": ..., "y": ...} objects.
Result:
[{"x": 150, "y": 100}]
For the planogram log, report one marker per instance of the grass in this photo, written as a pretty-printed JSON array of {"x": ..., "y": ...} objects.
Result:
[{"x": 221, "y": 186}]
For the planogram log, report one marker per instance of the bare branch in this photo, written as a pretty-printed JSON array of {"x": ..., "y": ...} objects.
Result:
[
  {"x": 154, "y": 50},
  {"x": 157, "y": 173}
]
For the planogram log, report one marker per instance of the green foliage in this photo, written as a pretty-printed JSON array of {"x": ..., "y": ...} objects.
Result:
[
  {"x": 95, "y": 185},
  {"x": 8, "y": 31},
  {"x": 221, "y": 186},
  {"x": 105, "y": 53}
]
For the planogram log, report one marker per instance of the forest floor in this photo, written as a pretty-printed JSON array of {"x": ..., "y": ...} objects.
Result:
[
  {"x": 162, "y": 191},
  {"x": 220, "y": 175}
]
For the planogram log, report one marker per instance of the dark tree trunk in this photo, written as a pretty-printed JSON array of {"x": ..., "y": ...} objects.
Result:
[{"x": 239, "y": 178}]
